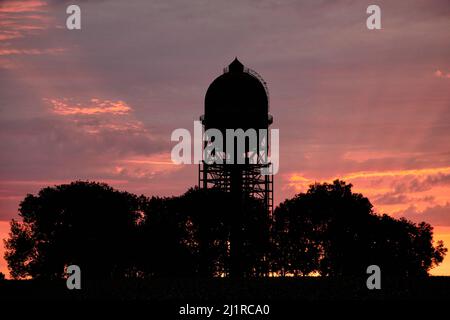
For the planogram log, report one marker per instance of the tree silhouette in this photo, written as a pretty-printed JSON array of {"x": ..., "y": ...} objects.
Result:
[
  {"x": 84, "y": 223},
  {"x": 213, "y": 214},
  {"x": 333, "y": 231},
  {"x": 193, "y": 231},
  {"x": 163, "y": 240},
  {"x": 403, "y": 248},
  {"x": 328, "y": 230}
]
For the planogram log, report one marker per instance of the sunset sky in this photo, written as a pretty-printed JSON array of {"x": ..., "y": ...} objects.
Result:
[{"x": 371, "y": 107}]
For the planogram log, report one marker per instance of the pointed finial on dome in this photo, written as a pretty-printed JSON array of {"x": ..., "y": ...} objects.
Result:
[{"x": 236, "y": 66}]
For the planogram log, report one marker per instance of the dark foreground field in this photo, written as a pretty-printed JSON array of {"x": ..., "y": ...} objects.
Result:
[
  {"x": 227, "y": 290},
  {"x": 288, "y": 298}
]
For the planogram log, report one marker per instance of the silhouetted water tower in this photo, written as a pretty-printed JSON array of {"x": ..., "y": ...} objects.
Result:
[{"x": 238, "y": 99}]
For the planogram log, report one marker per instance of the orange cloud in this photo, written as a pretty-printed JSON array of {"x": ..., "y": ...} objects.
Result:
[
  {"x": 298, "y": 181},
  {"x": 396, "y": 173},
  {"x": 64, "y": 107},
  {"x": 391, "y": 191}
]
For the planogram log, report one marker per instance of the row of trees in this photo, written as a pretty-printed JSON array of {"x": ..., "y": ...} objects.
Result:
[
  {"x": 333, "y": 231},
  {"x": 329, "y": 230}
]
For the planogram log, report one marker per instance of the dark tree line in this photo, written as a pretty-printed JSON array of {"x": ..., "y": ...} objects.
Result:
[{"x": 328, "y": 230}]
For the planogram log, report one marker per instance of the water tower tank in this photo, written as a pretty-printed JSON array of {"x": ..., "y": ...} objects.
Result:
[{"x": 237, "y": 99}]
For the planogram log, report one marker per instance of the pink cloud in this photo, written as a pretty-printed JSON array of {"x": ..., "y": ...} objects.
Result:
[
  {"x": 9, "y": 52},
  {"x": 441, "y": 74},
  {"x": 145, "y": 167},
  {"x": 8, "y": 34},
  {"x": 19, "y": 18},
  {"x": 12, "y": 6},
  {"x": 438, "y": 215}
]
